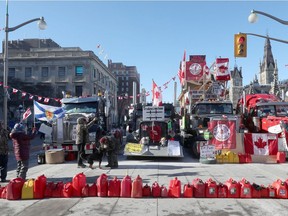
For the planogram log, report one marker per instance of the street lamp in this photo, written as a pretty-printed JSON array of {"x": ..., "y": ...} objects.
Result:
[
  {"x": 253, "y": 17},
  {"x": 42, "y": 25}
]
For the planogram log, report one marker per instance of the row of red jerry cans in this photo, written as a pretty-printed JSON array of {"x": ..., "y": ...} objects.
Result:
[{"x": 16, "y": 189}]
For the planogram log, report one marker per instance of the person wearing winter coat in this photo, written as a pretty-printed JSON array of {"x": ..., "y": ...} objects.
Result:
[
  {"x": 3, "y": 152},
  {"x": 109, "y": 144},
  {"x": 82, "y": 137},
  {"x": 21, "y": 145}
]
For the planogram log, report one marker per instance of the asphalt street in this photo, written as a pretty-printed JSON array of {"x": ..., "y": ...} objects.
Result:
[{"x": 150, "y": 170}]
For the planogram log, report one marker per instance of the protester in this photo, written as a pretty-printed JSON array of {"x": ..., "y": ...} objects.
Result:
[
  {"x": 82, "y": 137},
  {"x": 21, "y": 144},
  {"x": 3, "y": 151},
  {"x": 108, "y": 143}
]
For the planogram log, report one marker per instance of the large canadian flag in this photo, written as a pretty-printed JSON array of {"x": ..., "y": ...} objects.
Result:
[
  {"x": 222, "y": 69},
  {"x": 224, "y": 133},
  {"x": 156, "y": 95},
  {"x": 260, "y": 143}
]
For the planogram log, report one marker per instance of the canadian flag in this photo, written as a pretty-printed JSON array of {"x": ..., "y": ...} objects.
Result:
[
  {"x": 222, "y": 69},
  {"x": 182, "y": 69},
  {"x": 156, "y": 95},
  {"x": 260, "y": 143},
  {"x": 15, "y": 90},
  {"x": 27, "y": 113},
  {"x": 23, "y": 94},
  {"x": 46, "y": 100}
]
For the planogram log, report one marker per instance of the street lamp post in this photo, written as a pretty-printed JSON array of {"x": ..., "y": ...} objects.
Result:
[
  {"x": 42, "y": 25},
  {"x": 253, "y": 17}
]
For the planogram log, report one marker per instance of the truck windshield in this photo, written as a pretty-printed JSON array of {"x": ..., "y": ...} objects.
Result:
[
  {"x": 80, "y": 108},
  {"x": 215, "y": 108}
]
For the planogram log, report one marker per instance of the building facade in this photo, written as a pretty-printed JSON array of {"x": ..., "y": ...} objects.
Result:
[
  {"x": 128, "y": 91},
  {"x": 70, "y": 70}
]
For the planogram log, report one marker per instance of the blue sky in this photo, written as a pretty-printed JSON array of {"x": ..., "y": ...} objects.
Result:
[{"x": 152, "y": 35}]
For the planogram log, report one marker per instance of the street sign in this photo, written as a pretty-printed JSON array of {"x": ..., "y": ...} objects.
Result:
[{"x": 153, "y": 113}]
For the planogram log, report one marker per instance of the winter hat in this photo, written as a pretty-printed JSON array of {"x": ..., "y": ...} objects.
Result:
[{"x": 18, "y": 128}]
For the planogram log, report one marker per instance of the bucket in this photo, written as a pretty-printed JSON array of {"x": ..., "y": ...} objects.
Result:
[
  {"x": 39, "y": 187},
  {"x": 114, "y": 186},
  {"x": 102, "y": 185},
  {"x": 174, "y": 189},
  {"x": 126, "y": 186},
  {"x": 78, "y": 182},
  {"x": 137, "y": 187}
]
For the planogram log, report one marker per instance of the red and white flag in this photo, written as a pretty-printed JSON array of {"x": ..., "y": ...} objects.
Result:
[
  {"x": 260, "y": 143},
  {"x": 46, "y": 100},
  {"x": 224, "y": 133},
  {"x": 195, "y": 67},
  {"x": 222, "y": 69},
  {"x": 14, "y": 90},
  {"x": 156, "y": 95},
  {"x": 27, "y": 113},
  {"x": 182, "y": 70}
]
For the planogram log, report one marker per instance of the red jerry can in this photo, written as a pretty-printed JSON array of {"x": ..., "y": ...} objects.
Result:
[
  {"x": 146, "y": 191},
  {"x": 271, "y": 191},
  {"x": 57, "y": 191},
  {"x": 67, "y": 190},
  {"x": 264, "y": 191},
  {"x": 78, "y": 182},
  {"x": 102, "y": 185},
  {"x": 114, "y": 187},
  {"x": 14, "y": 189},
  {"x": 174, "y": 189},
  {"x": 198, "y": 188},
  {"x": 137, "y": 185},
  {"x": 188, "y": 191},
  {"x": 164, "y": 192},
  {"x": 245, "y": 189},
  {"x": 4, "y": 193},
  {"x": 281, "y": 157},
  {"x": 211, "y": 189},
  {"x": 85, "y": 191},
  {"x": 1, "y": 190},
  {"x": 48, "y": 189},
  {"x": 156, "y": 190},
  {"x": 256, "y": 190},
  {"x": 281, "y": 189},
  {"x": 92, "y": 190},
  {"x": 233, "y": 188},
  {"x": 222, "y": 190},
  {"x": 39, "y": 187},
  {"x": 126, "y": 186}
]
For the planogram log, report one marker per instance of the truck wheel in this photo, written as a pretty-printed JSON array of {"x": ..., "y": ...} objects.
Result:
[{"x": 195, "y": 152}]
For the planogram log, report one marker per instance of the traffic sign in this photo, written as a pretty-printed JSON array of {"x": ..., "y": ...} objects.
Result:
[{"x": 153, "y": 113}]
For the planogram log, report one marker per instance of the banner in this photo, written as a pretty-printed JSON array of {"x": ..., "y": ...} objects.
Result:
[
  {"x": 224, "y": 133},
  {"x": 195, "y": 67},
  {"x": 260, "y": 143}
]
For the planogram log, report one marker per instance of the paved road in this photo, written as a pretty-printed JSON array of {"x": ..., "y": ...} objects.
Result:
[{"x": 151, "y": 170}]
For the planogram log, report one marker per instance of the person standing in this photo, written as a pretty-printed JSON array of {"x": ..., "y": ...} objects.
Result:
[
  {"x": 82, "y": 137},
  {"x": 21, "y": 145},
  {"x": 4, "y": 150}
]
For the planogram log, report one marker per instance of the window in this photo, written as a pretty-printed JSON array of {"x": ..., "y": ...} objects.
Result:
[
  {"x": 94, "y": 73},
  {"x": 78, "y": 70},
  {"x": 28, "y": 72},
  {"x": 11, "y": 72},
  {"x": 44, "y": 72},
  {"x": 78, "y": 91},
  {"x": 61, "y": 71}
]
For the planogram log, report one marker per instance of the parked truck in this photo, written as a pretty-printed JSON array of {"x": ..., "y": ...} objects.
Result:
[{"x": 64, "y": 129}]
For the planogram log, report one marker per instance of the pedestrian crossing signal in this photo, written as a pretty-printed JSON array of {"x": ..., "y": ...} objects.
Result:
[{"x": 240, "y": 45}]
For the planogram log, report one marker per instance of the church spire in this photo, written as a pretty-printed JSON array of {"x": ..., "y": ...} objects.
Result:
[{"x": 268, "y": 59}]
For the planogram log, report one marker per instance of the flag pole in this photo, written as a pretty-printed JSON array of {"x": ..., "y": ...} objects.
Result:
[{"x": 33, "y": 115}]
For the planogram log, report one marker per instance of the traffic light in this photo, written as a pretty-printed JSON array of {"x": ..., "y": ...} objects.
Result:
[{"x": 240, "y": 45}]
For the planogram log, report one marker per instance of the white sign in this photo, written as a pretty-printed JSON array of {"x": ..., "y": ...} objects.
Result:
[
  {"x": 174, "y": 148},
  {"x": 45, "y": 129},
  {"x": 207, "y": 151},
  {"x": 153, "y": 113}
]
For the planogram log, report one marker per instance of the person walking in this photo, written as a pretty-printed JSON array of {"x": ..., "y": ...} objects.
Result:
[
  {"x": 4, "y": 150},
  {"x": 21, "y": 145},
  {"x": 82, "y": 137}
]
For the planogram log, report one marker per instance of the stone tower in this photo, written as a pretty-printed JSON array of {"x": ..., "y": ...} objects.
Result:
[
  {"x": 268, "y": 66},
  {"x": 236, "y": 85}
]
